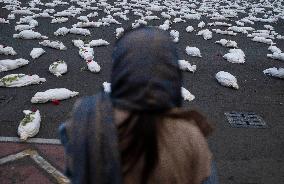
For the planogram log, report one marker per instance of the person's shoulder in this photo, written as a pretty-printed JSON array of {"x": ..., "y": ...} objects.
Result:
[
  {"x": 190, "y": 120},
  {"x": 184, "y": 126}
]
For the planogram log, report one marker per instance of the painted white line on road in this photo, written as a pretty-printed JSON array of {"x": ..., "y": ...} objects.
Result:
[
  {"x": 31, "y": 140},
  {"x": 49, "y": 168},
  {"x": 40, "y": 161},
  {"x": 14, "y": 157}
]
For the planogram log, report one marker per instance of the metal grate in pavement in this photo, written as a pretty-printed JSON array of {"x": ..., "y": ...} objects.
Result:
[{"x": 245, "y": 120}]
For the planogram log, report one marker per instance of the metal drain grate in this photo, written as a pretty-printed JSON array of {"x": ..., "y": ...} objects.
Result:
[{"x": 245, "y": 120}]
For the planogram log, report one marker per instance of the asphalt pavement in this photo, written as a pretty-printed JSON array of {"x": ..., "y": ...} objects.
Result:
[{"x": 243, "y": 155}]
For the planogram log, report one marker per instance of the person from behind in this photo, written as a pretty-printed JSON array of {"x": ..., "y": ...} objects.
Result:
[{"x": 139, "y": 133}]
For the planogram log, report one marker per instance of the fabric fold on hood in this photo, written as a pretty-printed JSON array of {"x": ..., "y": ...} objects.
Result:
[{"x": 145, "y": 74}]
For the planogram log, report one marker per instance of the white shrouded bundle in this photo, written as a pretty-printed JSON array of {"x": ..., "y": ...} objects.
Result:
[
  {"x": 263, "y": 40},
  {"x": 240, "y": 29},
  {"x": 175, "y": 35},
  {"x": 83, "y": 18},
  {"x": 7, "y": 50},
  {"x": 78, "y": 43},
  {"x": 165, "y": 26},
  {"x": 61, "y": 31},
  {"x": 193, "y": 51},
  {"x": 79, "y": 31},
  {"x": 107, "y": 87},
  {"x": 30, "y": 125},
  {"x": 11, "y": 64},
  {"x": 219, "y": 24},
  {"x": 109, "y": 20},
  {"x": 53, "y": 94},
  {"x": 119, "y": 32},
  {"x": 59, "y": 20},
  {"x": 269, "y": 27},
  {"x": 235, "y": 56},
  {"x": 274, "y": 72},
  {"x": 53, "y": 44},
  {"x": 206, "y": 34},
  {"x": 97, "y": 43},
  {"x": 227, "y": 43},
  {"x": 3, "y": 21},
  {"x": 275, "y": 55},
  {"x": 23, "y": 27},
  {"x": 154, "y": 7},
  {"x": 88, "y": 24},
  {"x": 58, "y": 68},
  {"x": 22, "y": 12},
  {"x": 93, "y": 66},
  {"x": 165, "y": 15},
  {"x": 29, "y": 34},
  {"x": 227, "y": 79},
  {"x": 20, "y": 80},
  {"x": 186, "y": 94},
  {"x": 219, "y": 31},
  {"x": 36, "y": 52},
  {"x": 274, "y": 49},
  {"x": 11, "y": 17},
  {"x": 87, "y": 53},
  {"x": 192, "y": 16},
  {"x": 201, "y": 24},
  {"x": 186, "y": 66},
  {"x": 178, "y": 19},
  {"x": 189, "y": 29}
]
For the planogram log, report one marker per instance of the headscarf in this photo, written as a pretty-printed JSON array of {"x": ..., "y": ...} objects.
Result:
[
  {"x": 146, "y": 78},
  {"x": 145, "y": 74}
]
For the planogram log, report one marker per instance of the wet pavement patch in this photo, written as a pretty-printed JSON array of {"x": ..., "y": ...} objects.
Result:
[{"x": 245, "y": 120}]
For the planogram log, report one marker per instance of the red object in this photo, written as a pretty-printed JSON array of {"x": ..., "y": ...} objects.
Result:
[
  {"x": 88, "y": 61},
  {"x": 55, "y": 102},
  {"x": 34, "y": 109}
]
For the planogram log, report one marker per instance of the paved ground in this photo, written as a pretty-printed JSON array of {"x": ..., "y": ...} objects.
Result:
[{"x": 242, "y": 155}]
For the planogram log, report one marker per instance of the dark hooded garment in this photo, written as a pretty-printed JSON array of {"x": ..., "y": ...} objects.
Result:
[
  {"x": 145, "y": 78},
  {"x": 145, "y": 74}
]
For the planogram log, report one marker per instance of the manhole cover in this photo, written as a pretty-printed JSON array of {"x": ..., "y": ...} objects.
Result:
[{"x": 245, "y": 120}]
